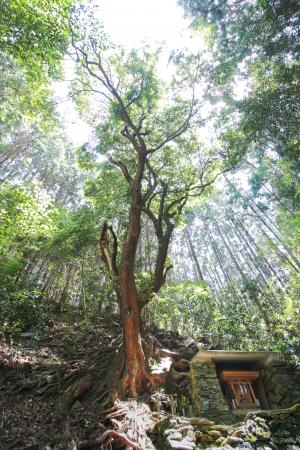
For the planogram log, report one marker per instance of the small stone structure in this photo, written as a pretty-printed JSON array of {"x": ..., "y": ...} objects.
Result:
[
  {"x": 208, "y": 399},
  {"x": 278, "y": 385}
]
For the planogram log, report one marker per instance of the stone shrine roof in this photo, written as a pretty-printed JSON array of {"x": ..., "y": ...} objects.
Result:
[{"x": 228, "y": 355}]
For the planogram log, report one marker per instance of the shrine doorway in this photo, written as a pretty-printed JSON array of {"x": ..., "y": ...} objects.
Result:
[
  {"x": 240, "y": 389},
  {"x": 230, "y": 380},
  {"x": 242, "y": 385}
]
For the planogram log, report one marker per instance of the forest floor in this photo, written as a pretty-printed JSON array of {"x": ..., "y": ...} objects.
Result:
[
  {"x": 35, "y": 373},
  {"x": 55, "y": 385}
]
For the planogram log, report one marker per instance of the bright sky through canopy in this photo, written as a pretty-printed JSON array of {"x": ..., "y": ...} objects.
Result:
[
  {"x": 132, "y": 21},
  {"x": 129, "y": 23}
]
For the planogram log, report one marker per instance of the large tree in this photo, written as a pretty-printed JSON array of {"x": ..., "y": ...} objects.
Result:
[{"x": 149, "y": 131}]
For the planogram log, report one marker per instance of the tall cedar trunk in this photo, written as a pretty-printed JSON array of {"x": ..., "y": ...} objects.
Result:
[
  {"x": 216, "y": 281},
  {"x": 25, "y": 272},
  {"x": 263, "y": 273},
  {"x": 231, "y": 285},
  {"x": 252, "y": 244},
  {"x": 64, "y": 293},
  {"x": 233, "y": 257},
  {"x": 256, "y": 300},
  {"x": 272, "y": 228},
  {"x": 224, "y": 271},
  {"x": 283, "y": 256},
  {"x": 40, "y": 271},
  {"x": 277, "y": 236},
  {"x": 193, "y": 255},
  {"x": 134, "y": 377},
  {"x": 255, "y": 257}
]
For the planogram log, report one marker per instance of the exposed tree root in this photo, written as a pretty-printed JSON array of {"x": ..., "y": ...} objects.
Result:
[
  {"x": 104, "y": 441},
  {"x": 130, "y": 421},
  {"x": 74, "y": 392}
]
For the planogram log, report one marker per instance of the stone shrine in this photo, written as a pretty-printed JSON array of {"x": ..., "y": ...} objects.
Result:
[{"x": 229, "y": 384}]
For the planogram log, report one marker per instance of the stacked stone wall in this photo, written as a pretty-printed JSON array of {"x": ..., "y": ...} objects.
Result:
[
  {"x": 260, "y": 430},
  {"x": 208, "y": 398},
  {"x": 282, "y": 384}
]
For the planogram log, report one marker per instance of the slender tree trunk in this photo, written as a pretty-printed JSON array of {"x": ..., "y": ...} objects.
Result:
[
  {"x": 253, "y": 255},
  {"x": 252, "y": 242},
  {"x": 50, "y": 278},
  {"x": 226, "y": 275},
  {"x": 212, "y": 272},
  {"x": 278, "y": 251},
  {"x": 64, "y": 294},
  {"x": 255, "y": 298},
  {"x": 277, "y": 236},
  {"x": 83, "y": 293},
  {"x": 257, "y": 260},
  {"x": 272, "y": 228},
  {"x": 251, "y": 260},
  {"x": 231, "y": 254},
  {"x": 193, "y": 255},
  {"x": 39, "y": 273},
  {"x": 24, "y": 273}
]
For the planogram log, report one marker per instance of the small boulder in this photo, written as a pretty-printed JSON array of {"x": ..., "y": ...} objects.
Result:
[
  {"x": 200, "y": 422},
  {"x": 214, "y": 433},
  {"x": 176, "y": 445},
  {"x": 169, "y": 431},
  {"x": 186, "y": 428},
  {"x": 232, "y": 440},
  {"x": 176, "y": 436}
]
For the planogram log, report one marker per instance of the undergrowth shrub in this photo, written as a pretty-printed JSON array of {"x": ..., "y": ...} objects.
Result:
[{"x": 22, "y": 310}]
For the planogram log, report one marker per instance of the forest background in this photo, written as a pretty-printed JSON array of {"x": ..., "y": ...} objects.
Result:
[{"x": 221, "y": 176}]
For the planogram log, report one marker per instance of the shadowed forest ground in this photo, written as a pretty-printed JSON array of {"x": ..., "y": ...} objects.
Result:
[
  {"x": 34, "y": 374},
  {"x": 55, "y": 386}
]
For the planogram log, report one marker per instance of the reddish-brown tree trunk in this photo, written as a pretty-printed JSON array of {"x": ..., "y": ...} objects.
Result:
[{"x": 134, "y": 377}]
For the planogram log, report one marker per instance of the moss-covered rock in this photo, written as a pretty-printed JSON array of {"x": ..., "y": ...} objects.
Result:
[{"x": 262, "y": 430}]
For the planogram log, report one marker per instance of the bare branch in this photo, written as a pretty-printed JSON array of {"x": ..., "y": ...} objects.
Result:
[
  {"x": 79, "y": 92},
  {"x": 180, "y": 130},
  {"x": 124, "y": 169},
  {"x": 131, "y": 137}
]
